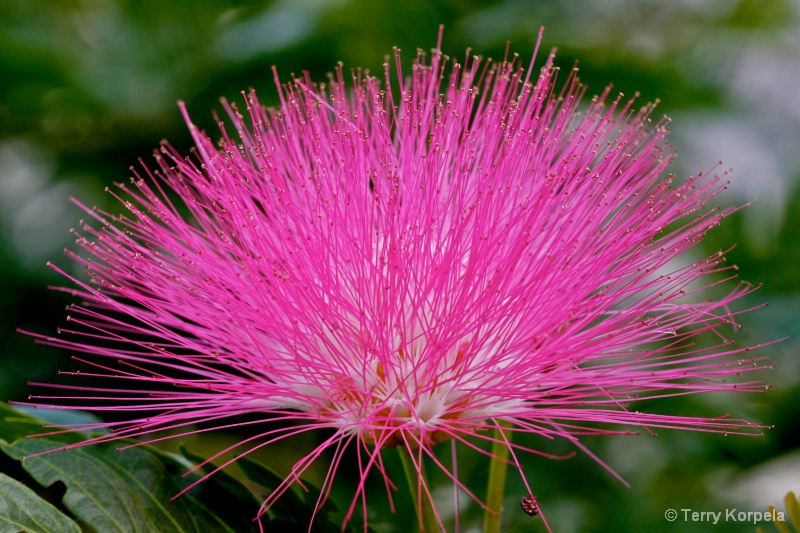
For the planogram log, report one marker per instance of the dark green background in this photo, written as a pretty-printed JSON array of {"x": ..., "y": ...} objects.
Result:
[{"x": 87, "y": 87}]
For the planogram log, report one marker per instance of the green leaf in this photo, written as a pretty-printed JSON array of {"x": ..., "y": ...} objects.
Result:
[
  {"x": 291, "y": 507},
  {"x": 16, "y": 425},
  {"x": 22, "y": 510},
  {"x": 22, "y": 421},
  {"x": 131, "y": 489},
  {"x": 62, "y": 418},
  {"x": 125, "y": 491},
  {"x": 793, "y": 509},
  {"x": 225, "y": 495}
]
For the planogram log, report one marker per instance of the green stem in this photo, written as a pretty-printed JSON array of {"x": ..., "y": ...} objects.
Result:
[
  {"x": 426, "y": 516},
  {"x": 497, "y": 479}
]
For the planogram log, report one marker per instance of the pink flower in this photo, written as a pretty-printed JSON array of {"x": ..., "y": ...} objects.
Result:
[{"x": 410, "y": 266}]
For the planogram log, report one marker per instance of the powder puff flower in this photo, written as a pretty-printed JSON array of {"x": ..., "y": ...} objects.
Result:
[{"x": 459, "y": 255}]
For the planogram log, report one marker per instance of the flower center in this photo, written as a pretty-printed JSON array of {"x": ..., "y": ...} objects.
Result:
[{"x": 415, "y": 406}]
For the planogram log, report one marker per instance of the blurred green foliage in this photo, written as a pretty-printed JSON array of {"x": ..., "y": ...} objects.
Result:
[{"x": 89, "y": 86}]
